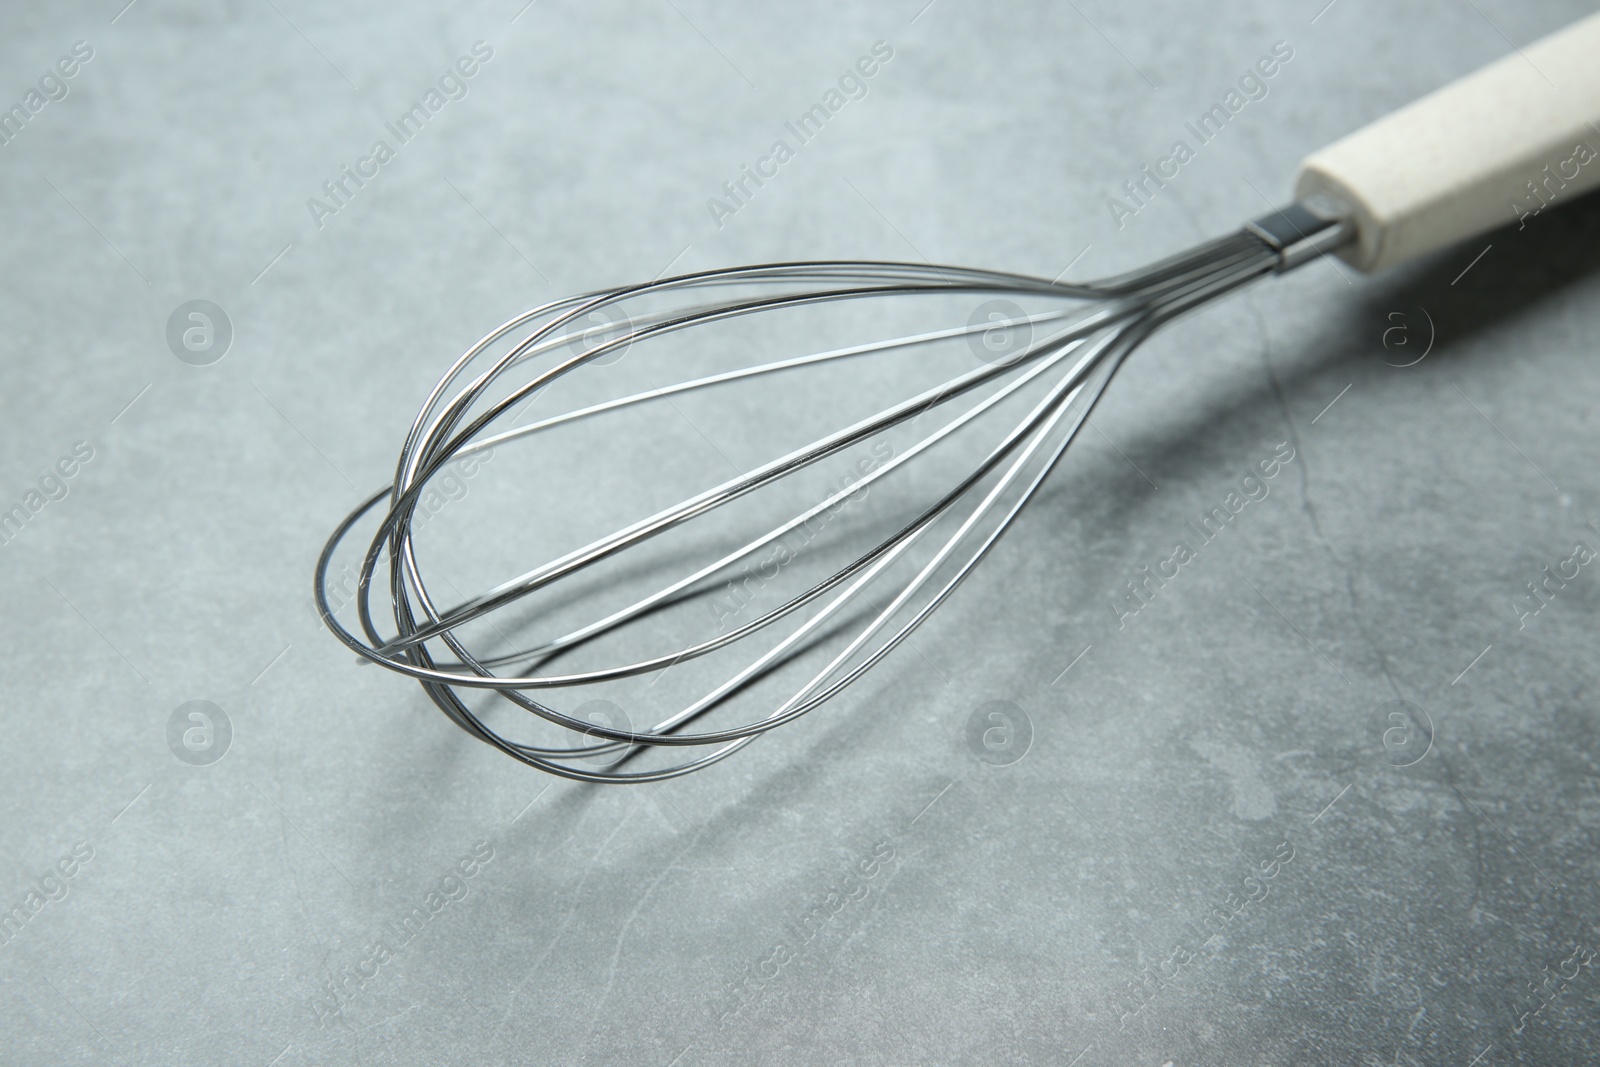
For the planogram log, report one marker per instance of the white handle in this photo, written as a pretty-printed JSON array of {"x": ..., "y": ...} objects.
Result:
[{"x": 1496, "y": 147}]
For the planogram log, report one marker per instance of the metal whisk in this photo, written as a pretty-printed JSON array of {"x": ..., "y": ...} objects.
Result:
[
  {"x": 1056, "y": 378},
  {"x": 952, "y": 462}
]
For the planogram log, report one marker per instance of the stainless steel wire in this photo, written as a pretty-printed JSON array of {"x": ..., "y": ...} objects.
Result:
[{"x": 1087, "y": 333}]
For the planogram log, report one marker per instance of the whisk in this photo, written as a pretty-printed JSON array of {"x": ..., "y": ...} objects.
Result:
[{"x": 950, "y": 462}]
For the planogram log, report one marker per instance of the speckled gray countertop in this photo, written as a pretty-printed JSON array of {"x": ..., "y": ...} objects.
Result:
[{"x": 1227, "y": 843}]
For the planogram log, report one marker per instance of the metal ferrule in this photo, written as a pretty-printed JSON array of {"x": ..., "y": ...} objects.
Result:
[{"x": 1305, "y": 229}]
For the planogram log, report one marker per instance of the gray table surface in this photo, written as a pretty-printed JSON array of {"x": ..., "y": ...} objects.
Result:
[{"x": 1050, "y": 911}]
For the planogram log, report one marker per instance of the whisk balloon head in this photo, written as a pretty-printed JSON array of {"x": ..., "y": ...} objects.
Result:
[{"x": 631, "y": 532}]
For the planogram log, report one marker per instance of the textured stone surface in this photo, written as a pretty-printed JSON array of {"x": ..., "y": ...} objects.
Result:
[{"x": 1052, "y": 911}]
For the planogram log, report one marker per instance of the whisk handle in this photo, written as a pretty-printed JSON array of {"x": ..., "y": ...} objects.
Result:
[{"x": 1495, "y": 147}]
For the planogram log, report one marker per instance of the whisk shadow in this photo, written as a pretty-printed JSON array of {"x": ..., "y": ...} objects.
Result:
[{"x": 1525, "y": 265}]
